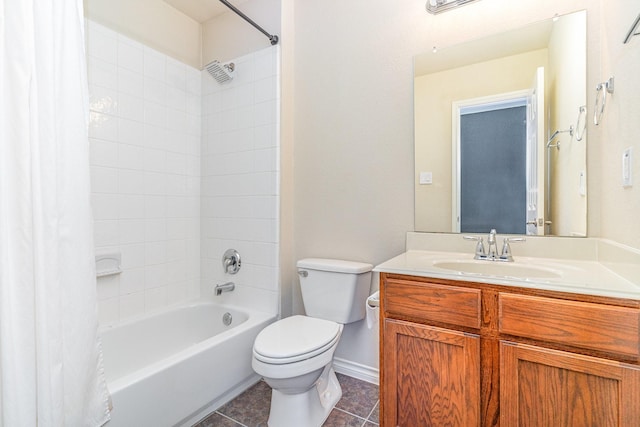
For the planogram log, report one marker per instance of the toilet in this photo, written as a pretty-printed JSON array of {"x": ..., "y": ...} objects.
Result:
[{"x": 295, "y": 355}]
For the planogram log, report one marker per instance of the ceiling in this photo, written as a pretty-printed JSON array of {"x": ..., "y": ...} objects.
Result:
[{"x": 202, "y": 10}]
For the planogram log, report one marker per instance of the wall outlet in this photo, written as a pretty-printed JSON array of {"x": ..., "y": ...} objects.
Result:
[{"x": 627, "y": 164}]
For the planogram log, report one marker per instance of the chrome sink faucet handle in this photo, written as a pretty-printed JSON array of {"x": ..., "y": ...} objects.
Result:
[
  {"x": 506, "y": 249},
  {"x": 493, "y": 245},
  {"x": 480, "y": 251}
]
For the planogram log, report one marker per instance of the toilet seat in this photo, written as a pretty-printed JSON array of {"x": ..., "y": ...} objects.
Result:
[{"x": 294, "y": 339}]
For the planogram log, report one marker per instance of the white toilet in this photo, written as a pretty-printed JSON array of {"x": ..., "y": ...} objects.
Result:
[{"x": 295, "y": 354}]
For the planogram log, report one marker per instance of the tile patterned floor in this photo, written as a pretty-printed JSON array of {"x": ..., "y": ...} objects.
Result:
[{"x": 357, "y": 408}]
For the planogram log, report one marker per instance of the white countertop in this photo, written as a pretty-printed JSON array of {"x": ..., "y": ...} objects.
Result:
[{"x": 576, "y": 276}]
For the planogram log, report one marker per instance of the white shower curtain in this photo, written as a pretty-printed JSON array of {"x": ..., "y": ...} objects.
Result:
[{"x": 50, "y": 360}]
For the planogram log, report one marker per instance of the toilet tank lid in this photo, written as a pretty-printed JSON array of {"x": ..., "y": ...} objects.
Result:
[{"x": 335, "y": 265}]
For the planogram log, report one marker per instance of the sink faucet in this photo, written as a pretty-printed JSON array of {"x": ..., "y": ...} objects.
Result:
[
  {"x": 227, "y": 287},
  {"x": 492, "y": 253}
]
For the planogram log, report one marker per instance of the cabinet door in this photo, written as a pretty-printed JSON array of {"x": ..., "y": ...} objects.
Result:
[
  {"x": 431, "y": 376},
  {"x": 542, "y": 387}
]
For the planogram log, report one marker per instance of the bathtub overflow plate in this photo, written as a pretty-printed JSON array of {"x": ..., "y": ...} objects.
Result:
[{"x": 227, "y": 319}]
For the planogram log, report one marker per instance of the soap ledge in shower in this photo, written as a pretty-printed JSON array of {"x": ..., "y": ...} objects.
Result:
[{"x": 108, "y": 264}]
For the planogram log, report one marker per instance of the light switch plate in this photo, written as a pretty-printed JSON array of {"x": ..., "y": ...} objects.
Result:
[
  {"x": 426, "y": 178},
  {"x": 627, "y": 164}
]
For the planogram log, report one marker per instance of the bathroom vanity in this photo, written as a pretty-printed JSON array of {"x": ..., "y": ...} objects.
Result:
[{"x": 467, "y": 348}]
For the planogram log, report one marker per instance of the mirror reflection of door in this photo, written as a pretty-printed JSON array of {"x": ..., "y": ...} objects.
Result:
[
  {"x": 536, "y": 190},
  {"x": 493, "y": 182},
  {"x": 499, "y": 162}
]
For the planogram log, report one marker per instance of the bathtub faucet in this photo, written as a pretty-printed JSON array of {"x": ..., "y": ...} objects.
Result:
[{"x": 227, "y": 287}]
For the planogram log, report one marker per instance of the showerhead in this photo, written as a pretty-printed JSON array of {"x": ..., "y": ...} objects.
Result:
[{"x": 221, "y": 72}]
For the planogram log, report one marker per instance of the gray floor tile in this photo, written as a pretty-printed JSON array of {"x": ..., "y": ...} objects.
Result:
[
  {"x": 251, "y": 408},
  {"x": 375, "y": 414},
  {"x": 217, "y": 420},
  {"x": 338, "y": 418},
  {"x": 358, "y": 397}
]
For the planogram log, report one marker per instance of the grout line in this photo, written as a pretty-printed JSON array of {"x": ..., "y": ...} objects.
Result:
[
  {"x": 229, "y": 418},
  {"x": 371, "y": 412}
]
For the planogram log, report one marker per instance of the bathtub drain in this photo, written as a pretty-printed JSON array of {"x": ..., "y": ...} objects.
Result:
[{"x": 227, "y": 318}]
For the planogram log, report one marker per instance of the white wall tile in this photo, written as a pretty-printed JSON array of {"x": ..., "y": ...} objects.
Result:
[
  {"x": 133, "y": 256},
  {"x": 108, "y": 287},
  {"x": 131, "y": 231},
  {"x": 155, "y": 276},
  {"x": 130, "y": 132},
  {"x": 155, "y": 253},
  {"x": 104, "y": 180},
  {"x": 130, "y": 181},
  {"x": 130, "y": 157},
  {"x": 103, "y": 99},
  {"x": 102, "y": 44},
  {"x": 130, "y": 82},
  {"x": 130, "y": 56},
  {"x": 156, "y": 229},
  {"x": 103, "y": 153},
  {"x": 131, "y": 305},
  {"x": 131, "y": 107},
  {"x": 105, "y": 233},
  {"x": 155, "y": 298},
  {"x": 154, "y": 64},
  {"x": 108, "y": 311},
  {"x": 176, "y": 74},
  {"x": 103, "y": 126},
  {"x": 104, "y": 206},
  {"x": 102, "y": 73},
  {"x": 155, "y": 91},
  {"x": 154, "y": 194},
  {"x": 130, "y": 206},
  {"x": 132, "y": 280}
]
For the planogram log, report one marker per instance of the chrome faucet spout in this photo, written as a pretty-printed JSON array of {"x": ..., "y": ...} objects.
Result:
[
  {"x": 227, "y": 287},
  {"x": 492, "y": 252}
]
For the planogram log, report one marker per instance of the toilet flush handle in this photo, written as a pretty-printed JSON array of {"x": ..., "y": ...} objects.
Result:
[{"x": 303, "y": 273}]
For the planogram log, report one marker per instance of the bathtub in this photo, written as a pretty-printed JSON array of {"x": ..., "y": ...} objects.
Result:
[{"x": 172, "y": 367}]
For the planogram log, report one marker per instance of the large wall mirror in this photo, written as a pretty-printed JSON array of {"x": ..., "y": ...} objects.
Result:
[{"x": 500, "y": 132}]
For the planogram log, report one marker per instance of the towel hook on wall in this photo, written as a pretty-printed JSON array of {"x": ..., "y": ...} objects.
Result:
[
  {"x": 601, "y": 99},
  {"x": 580, "y": 130}
]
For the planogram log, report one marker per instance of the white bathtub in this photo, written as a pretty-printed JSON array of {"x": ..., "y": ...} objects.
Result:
[{"x": 172, "y": 367}]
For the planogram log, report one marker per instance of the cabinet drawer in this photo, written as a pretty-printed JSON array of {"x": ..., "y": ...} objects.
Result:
[
  {"x": 433, "y": 302},
  {"x": 587, "y": 325}
]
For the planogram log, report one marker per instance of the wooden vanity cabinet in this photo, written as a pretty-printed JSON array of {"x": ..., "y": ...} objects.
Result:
[{"x": 471, "y": 354}]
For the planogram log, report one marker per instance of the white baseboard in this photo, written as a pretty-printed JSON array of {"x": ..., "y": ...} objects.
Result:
[{"x": 356, "y": 370}]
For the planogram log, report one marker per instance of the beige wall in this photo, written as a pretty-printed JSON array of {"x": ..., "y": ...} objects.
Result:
[
  {"x": 228, "y": 36},
  {"x": 619, "y": 128},
  {"x": 432, "y": 108},
  {"x": 152, "y": 22},
  {"x": 353, "y": 106},
  {"x": 567, "y": 83}
]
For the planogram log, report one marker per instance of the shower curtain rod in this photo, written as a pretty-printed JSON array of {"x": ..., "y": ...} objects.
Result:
[{"x": 272, "y": 38}]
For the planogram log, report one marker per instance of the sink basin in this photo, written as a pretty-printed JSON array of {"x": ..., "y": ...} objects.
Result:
[{"x": 495, "y": 268}]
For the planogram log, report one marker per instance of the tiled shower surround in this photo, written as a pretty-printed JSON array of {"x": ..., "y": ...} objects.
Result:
[{"x": 181, "y": 169}]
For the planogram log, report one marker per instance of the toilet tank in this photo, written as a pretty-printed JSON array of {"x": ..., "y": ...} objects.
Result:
[{"x": 334, "y": 289}]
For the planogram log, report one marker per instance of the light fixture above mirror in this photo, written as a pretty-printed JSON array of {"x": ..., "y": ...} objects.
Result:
[{"x": 437, "y": 6}]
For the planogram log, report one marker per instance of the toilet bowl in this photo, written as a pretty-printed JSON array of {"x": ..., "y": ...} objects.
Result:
[{"x": 295, "y": 355}]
